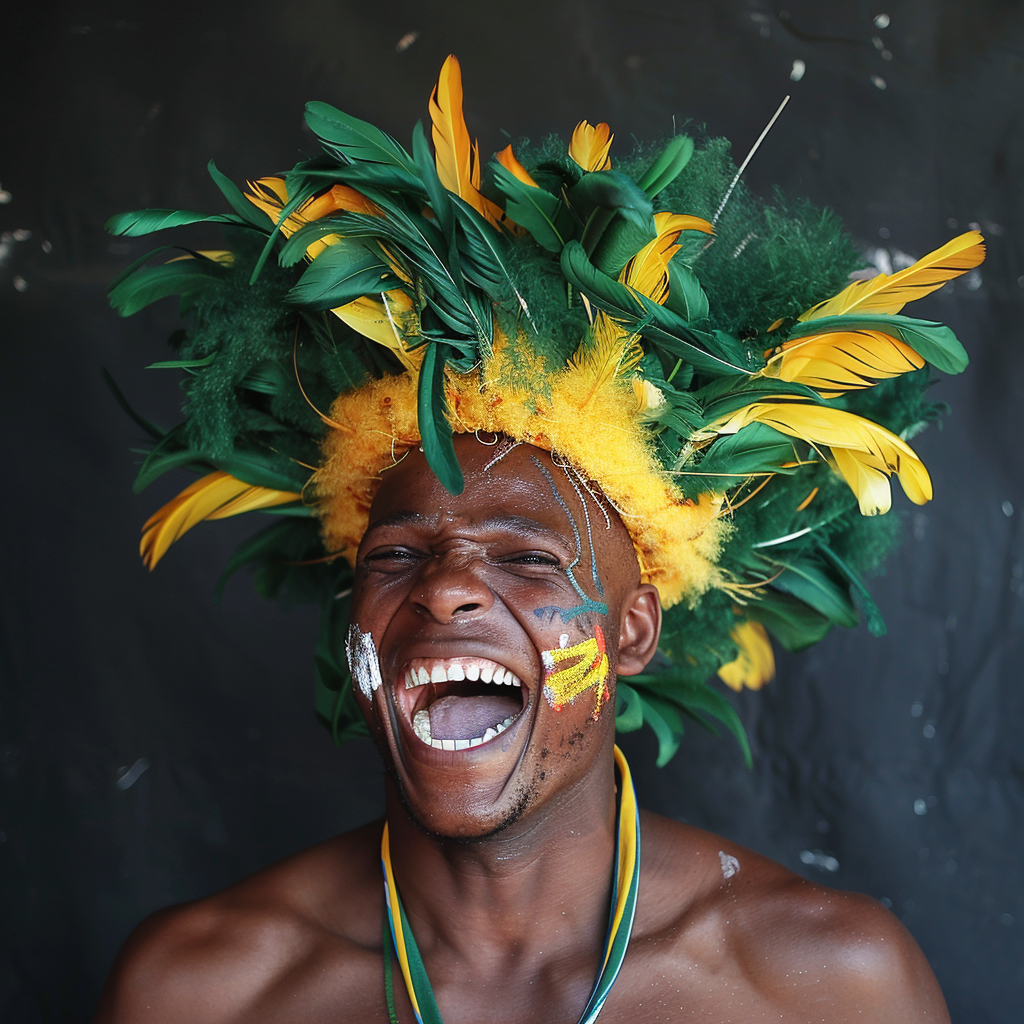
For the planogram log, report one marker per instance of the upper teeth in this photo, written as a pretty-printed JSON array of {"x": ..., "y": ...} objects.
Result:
[{"x": 485, "y": 671}]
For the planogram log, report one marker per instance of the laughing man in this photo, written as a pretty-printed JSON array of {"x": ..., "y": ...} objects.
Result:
[{"x": 544, "y": 434}]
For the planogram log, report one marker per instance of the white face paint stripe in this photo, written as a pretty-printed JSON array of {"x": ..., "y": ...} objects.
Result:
[{"x": 362, "y": 660}]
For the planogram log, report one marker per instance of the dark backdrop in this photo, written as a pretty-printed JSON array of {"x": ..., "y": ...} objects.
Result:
[{"x": 129, "y": 776}]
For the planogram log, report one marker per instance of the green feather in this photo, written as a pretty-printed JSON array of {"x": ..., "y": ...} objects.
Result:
[
  {"x": 629, "y": 714},
  {"x": 621, "y": 241},
  {"x": 808, "y": 582},
  {"x": 144, "y": 222},
  {"x": 727, "y": 395},
  {"x": 294, "y": 249},
  {"x": 793, "y": 623},
  {"x": 698, "y": 701},
  {"x": 612, "y": 192},
  {"x": 756, "y": 448},
  {"x": 536, "y": 209},
  {"x": 664, "y": 720},
  {"x": 246, "y": 210},
  {"x": 435, "y": 430},
  {"x": 932, "y": 341},
  {"x": 354, "y": 139},
  {"x": 298, "y": 197},
  {"x": 685, "y": 295},
  {"x": 440, "y": 198},
  {"x": 674, "y": 157},
  {"x": 644, "y": 316},
  {"x": 148, "y": 426},
  {"x": 149, "y": 284},
  {"x": 342, "y": 273},
  {"x": 264, "y": 545},
  {"x": 872, "y": 616}
]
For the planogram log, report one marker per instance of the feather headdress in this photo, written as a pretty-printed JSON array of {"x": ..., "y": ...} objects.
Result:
[{"x": 741, "y": 419}]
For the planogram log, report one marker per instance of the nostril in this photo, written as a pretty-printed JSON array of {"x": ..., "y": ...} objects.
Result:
[{"x": 472, "y": 607}]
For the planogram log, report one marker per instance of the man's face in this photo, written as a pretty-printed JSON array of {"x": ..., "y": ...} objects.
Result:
[{"x": 490, "y": 613}]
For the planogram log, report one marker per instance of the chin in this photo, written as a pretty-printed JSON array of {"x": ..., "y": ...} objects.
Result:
[{"x": 461, "y": 823}]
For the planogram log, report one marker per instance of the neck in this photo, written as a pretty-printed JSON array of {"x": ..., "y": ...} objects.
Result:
[{"x": 539, "y": 886}]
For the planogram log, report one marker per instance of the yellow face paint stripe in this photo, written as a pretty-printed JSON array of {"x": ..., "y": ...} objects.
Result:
[{"x": 589, "y": 669}]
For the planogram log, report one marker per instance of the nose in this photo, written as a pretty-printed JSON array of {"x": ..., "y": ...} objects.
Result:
[{"x": 450, "y": 587}]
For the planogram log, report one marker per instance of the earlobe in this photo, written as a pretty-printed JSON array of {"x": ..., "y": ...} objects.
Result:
[{"x": 639, "y": 630}]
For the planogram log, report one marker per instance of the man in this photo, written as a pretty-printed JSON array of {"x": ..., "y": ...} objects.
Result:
[
  {"x": 544, "y": 435},
  {"x": 503, "y": 852}
]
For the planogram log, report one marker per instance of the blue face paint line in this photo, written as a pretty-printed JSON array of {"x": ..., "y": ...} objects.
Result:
[
  {"x": 590, "y": 535},
  {"x": 568, "y": 614},
  {"x": 585, "y": 484},
  {"x": 586, "y": 604}
]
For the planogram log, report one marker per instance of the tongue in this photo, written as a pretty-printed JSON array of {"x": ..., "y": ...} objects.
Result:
[{"x": 467, "y": 718}]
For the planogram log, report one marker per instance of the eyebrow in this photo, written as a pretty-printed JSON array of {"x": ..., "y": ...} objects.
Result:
[{"x": 521, "y": 526}]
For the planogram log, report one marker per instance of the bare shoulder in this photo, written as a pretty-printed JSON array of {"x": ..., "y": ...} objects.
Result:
[
  {"x": 235, "y": 955},
  {"x": 732, "y": 919}
]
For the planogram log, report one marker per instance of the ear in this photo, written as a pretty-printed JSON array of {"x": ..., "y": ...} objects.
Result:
[{"x": 639, "y": 630}]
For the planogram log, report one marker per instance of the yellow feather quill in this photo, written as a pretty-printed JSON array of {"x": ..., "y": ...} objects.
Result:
[
  {"x": 889, "y": 293},
  {"x": 865, "y": 453},
  {"x": 216, "y": 496}
]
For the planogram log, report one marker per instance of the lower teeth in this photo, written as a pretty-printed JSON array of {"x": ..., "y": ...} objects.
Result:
[{"x": 421, "y": 726}]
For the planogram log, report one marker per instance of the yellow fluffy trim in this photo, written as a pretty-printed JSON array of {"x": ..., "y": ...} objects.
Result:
[{"x": 597, "y": 430}]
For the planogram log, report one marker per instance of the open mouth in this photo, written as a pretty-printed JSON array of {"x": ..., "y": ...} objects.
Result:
[{"x": 460, "y": 703}]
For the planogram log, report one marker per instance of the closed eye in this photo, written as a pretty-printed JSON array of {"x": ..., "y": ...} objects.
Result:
[
  {"x": 540, "y": 558},
  {"x": 399, "y": 555}
]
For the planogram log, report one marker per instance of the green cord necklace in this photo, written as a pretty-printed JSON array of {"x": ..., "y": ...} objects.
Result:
[{"x": 398, "y": 935}]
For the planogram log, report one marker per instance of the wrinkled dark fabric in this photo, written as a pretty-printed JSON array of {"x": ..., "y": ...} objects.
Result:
[{"x": 154, "y": 747}]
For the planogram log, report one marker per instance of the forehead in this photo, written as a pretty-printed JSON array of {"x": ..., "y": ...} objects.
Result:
[{"x": 520, "y": 487}]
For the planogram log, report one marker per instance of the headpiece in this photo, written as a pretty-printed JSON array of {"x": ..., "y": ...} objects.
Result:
[{"x": 703, "y": 358}]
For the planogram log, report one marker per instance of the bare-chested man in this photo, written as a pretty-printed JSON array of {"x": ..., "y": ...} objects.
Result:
[{"x": 503, "y": 850}]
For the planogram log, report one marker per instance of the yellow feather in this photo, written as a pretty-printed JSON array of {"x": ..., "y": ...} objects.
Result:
[
  {"x": 590, "y": 145},
  {"x": 889, "y": 293},
  {"x": 647, "y": 271},
  {"x": 842, "y": 360},
  {"x": 508, "y": 160},
  {"x": 452, "y": 146},
  {"x": 609, "y": 351},
  {"x": 270, "y": 195},
  {"x": 754, "y": 665},
  {"x": 215, "y": 496},
  {"x": 456, "y": 156},
  {"x": 222, "y": 256},
  {"x": 865, "y": 453},
  {"x": 388, "y": 322}
]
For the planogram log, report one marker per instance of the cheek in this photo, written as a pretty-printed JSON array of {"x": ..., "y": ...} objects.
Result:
[{"x": 577, "y": 673}]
